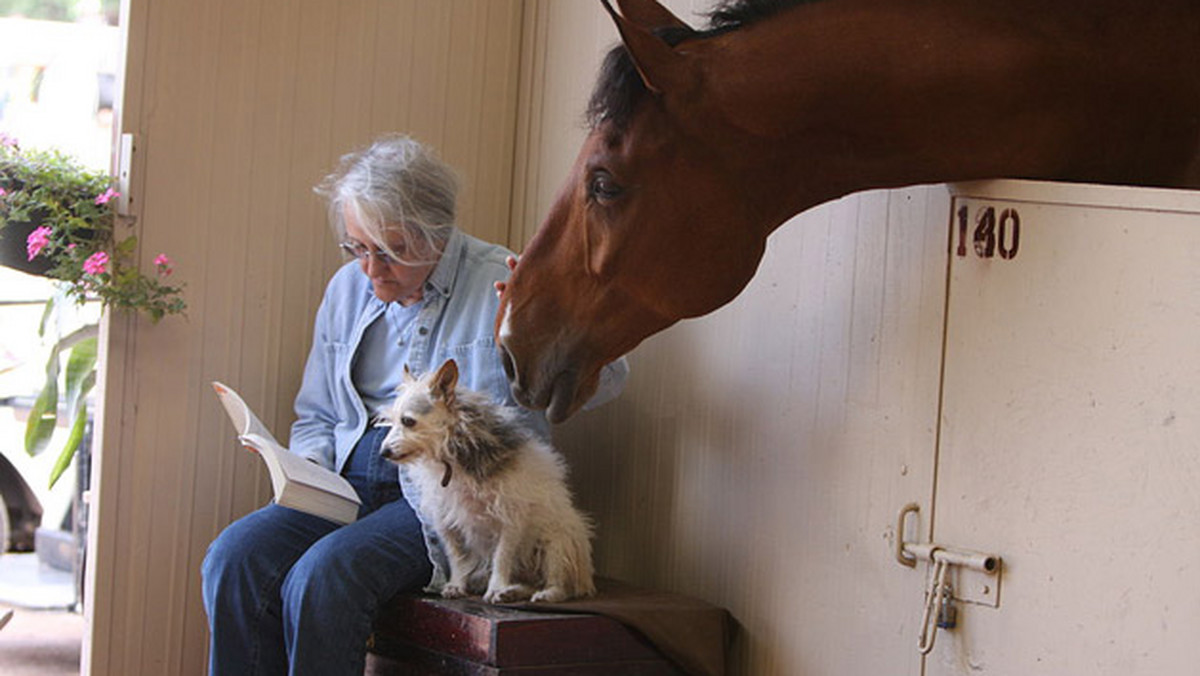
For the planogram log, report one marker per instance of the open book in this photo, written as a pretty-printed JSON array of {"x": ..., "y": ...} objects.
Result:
[{"x": 298, "y": 483}]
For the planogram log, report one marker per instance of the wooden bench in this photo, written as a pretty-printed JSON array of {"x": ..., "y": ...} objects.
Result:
[{"x": 419, "y": 635}]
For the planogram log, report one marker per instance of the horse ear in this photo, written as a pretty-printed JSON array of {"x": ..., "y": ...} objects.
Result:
[
  {"x": 445, "y": 381},
  {"x": 650, "y": 15},
  {"x": 659, "y": 65}
]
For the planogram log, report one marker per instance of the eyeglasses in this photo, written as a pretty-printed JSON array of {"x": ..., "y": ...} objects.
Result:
[{"x": 362, "y": 252}]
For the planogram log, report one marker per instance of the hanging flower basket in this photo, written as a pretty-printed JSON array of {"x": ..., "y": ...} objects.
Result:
[
  {"x": 14, "y": 252},
  {"x": 58, "y": 220}
]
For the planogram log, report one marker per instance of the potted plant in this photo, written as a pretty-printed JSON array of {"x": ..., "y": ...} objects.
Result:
[{"x": 59, "y": 220}]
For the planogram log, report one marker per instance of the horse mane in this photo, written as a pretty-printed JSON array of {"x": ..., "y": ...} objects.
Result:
[
  {"x": 619, "y": 88},
  {"x": 733, "y": 14}
]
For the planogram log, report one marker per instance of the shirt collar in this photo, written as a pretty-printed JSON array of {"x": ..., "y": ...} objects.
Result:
[{"x": 445, "y": 272}]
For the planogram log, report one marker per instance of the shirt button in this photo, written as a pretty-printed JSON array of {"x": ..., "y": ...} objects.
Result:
[{"x": 423, "y": 331}]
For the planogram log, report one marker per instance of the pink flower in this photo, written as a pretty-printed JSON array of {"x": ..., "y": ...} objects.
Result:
[
  {"x": 37, "y": 240},
  {"x": 3, "y": 192},
  {"x": 6, "y": 140},
  {"x": 107, "y": 195},
  {"x": 163, "y": 262},
  {"x": 96, "y": 264}
]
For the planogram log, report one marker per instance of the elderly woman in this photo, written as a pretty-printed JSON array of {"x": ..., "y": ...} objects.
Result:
[{"x": 288, "y": 592}]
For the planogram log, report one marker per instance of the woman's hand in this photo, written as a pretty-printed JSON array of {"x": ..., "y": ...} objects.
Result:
[{"x": 511, "y": 262}]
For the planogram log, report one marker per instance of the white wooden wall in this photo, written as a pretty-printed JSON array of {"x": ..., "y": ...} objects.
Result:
[
  {"x": 239, "y": 108},
  {"x": 760, "y": 454}
]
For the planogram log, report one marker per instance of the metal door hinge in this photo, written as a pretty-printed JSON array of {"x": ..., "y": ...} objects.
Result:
[{"x": 125, "y": 151}]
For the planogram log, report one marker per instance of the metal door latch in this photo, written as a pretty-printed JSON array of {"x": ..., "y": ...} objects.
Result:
[{"x": 976, "y": 580}]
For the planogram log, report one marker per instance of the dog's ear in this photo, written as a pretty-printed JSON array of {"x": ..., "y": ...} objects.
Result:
[
  {"x": 408, "y": 376},
  {"x": 444, "y": 382}
]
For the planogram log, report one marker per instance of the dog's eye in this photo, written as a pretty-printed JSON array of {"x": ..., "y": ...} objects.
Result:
[{"x": 407, "y": 421}]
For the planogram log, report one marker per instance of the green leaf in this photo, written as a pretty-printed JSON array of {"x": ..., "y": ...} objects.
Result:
[
  {"x": 44, "y": 415},
  {"x": 126, "y": 246},
  {"x": 78, "y": 426},
  {"x": 80, "y": 365},
  {"x": 47, "y": 312}
]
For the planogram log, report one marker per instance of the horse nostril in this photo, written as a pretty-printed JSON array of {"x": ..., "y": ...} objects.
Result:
[{"x": 506, "y": 360}]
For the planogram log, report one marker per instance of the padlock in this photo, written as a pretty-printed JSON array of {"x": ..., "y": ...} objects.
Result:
[{"x": 947, "y": 617}]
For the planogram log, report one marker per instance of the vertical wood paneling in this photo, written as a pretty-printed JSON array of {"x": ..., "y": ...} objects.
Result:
[
  {"x": 759, "y": 455},
  {"x": 564, "y": 43},
  {"x": 239, "y": 109}
]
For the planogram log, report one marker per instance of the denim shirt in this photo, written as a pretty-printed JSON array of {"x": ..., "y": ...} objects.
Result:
[{"x": 455, "y": 321}]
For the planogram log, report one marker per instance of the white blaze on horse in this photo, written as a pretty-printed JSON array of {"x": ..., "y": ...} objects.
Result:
[{"x": 702, "y": 143}]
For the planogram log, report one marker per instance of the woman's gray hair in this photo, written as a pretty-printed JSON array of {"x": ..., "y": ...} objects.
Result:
[{"x": 397, "y": 185}]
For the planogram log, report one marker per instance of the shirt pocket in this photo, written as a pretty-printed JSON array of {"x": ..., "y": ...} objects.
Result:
[{"x": 480, "y": 369}]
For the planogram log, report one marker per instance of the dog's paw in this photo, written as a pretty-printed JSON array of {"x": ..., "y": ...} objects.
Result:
[
  {"x": 507, "y": 594},
  {"x": 550, "y": 595},
  {"x": 453, "y": 591}
]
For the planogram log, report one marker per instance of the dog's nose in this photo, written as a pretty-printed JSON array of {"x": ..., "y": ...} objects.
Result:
[{"x": 385, "y": 451}]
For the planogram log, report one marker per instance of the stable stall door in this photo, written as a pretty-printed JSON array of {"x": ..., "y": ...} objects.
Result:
[{"x": 1070, "y": 431}]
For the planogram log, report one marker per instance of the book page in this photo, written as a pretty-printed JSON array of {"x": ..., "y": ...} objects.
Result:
[
  {"x": 301, "y": 470},
  {"x": 286, "y": 468},
  {"x": 244, "y": 420}
]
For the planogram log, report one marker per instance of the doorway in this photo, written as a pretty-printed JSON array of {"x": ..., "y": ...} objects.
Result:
[{"x": 59, "y": 61}]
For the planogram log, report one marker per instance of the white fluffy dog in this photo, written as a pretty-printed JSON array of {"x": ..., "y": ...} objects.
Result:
[{"x": 495, "y": 493}]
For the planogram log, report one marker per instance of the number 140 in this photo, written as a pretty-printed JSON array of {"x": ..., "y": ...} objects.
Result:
[{"x": 991, "y": 235}]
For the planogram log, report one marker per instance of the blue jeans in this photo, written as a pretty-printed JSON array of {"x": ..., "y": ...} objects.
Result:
[{"x": 291, "y": 593}]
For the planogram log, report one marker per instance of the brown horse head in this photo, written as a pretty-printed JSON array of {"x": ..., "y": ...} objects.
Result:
[
  {"x": 603, "y": 279},
  {"x": 701, "y": 144}
]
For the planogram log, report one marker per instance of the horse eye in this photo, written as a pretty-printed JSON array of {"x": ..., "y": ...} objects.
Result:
[
  {"x": 602, "y": 187},
  {"x": 408, "y": 422}
]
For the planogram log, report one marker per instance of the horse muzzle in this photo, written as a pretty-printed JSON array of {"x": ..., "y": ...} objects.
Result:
[
  {"x": 557, "y": 394},
  {"x": 541, "y": 374}
]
